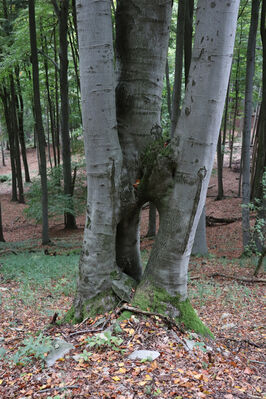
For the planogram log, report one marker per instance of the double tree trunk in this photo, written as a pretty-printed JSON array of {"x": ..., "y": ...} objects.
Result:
[{"x": 140, "y": 167}]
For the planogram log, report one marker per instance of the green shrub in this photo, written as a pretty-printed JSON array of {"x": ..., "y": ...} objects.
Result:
[
  {"x": 33, "y": 348},
  {"x": 58, "y": 202}
]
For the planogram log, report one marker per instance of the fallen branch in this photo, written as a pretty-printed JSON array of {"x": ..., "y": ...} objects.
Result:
[
  {"x": 244, "y": 280},
  {"x": 168, "y": 320},
  {"x": 247, "y": 341},
  {"x": 256, "y": 361},
  {"x": 212, "y": 221},
  {"x": 58, "y": 388}
]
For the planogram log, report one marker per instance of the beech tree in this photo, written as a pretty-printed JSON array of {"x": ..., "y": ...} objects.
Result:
[{"x": 128, "y": 162}]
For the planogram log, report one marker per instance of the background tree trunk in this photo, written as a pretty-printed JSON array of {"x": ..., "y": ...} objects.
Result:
[
  {"x": 247, "y": 121},
  {"x": 177, "y": 88},
  {"x": 200, "y": 243},
  {"x": 62, "y": 13},
  {"x": 38, "y": 122}
]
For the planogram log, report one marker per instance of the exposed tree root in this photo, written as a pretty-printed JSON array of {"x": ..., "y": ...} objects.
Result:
[{"x": 167, "y": 320}]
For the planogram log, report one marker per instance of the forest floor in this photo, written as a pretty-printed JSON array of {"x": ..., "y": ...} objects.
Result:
[{"x": 34, "y": 286}]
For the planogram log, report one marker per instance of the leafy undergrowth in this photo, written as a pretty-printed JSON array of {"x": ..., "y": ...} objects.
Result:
[{"x": 34, "y": 286}]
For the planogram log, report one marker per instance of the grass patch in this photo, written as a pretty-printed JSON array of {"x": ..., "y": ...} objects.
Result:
[{"x": 36, "y": 272}]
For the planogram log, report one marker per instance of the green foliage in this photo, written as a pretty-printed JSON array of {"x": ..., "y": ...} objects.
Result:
[
  {"x": 258, "y": 231},
  {"x": 86, "y": 355},
  {"x": 105, "y": 339},
  {"x": 58, "y": 202},
  {"x": 4, "y": 178},
  {"x": 38, "y": 271},
  {"x": 34, "y": 348}
]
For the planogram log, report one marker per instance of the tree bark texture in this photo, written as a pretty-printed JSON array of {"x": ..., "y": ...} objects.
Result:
[
  {"x": 102, "y": 150},
  {"x": 128, "y": 162}
]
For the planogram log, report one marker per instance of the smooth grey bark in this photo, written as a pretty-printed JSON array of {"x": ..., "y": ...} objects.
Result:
[
  {"x": 102, "y": 150},
  {"x": 194, "y": 152},
  {"x": 200, "y": 243},
  {"x": 250, "y": 67},
  {"x": 140, "y": 58},
  {"x": 38, "y": 121},
  {"x": 174, "y": 177},
  {"x": 179, "y": 52}
]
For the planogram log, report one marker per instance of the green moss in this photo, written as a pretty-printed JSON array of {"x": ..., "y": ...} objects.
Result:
[
  {"x": 190, "y": 319},
  {"x": 69, "y": 317},
  {"x": 125, "y": 315},
  {"x": 99, "y": 304},
  {"x": 156, "y": 299}
]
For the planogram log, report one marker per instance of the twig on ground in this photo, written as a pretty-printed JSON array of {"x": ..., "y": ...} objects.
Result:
[
  {"x": 256, "y": 361},
  {"x": 247, "y": 341},
  {"x": 245, "y": 280},
  {"x": 58, "y": 388}
]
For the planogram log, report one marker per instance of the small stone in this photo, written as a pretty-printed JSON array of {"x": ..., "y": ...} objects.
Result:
[
  {"x": 61, "y": 348},
  {"x": 144, "y": 355},
  {"x": 228, "y": 326},
  {"x": 225, "y": 316},
  {"x": 189, "y": 344}
]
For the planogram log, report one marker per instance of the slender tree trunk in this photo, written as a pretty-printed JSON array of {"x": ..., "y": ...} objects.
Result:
[
  {"x": 62, "y": 13},
  {"x": 257, "y": 189},
  {"x": 1, "y": 226},
  {"x": 231, "y": 141},
  {"x": 20, "y": 112},
  {"x": 168, "y": 88},
  {"x": 220, "y": 195},
  {"x": 49, "y": 98},
  {"x": 38, "y": 122},
  {"x": 188, "y": 37},
  {"x": 6, "y": 101},
  {"x": 177, "y": 88},
  {"x": 200, "y": 243},
  {"x": 3, "y": 154},
  {"x": 14, "y": 127},
  {"x": 247, "y": 121},
  {"x": 56, "y": 117}
]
